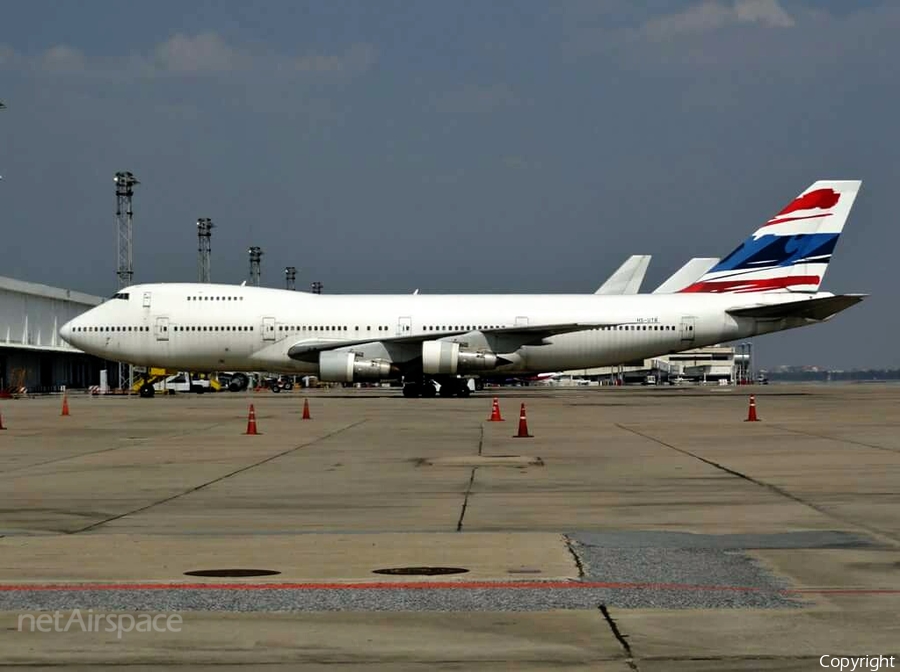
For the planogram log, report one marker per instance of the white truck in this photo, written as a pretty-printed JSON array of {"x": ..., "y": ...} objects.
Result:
[{"x": 182, "y": 382}]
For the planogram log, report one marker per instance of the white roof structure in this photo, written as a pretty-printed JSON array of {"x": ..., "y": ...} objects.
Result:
[{"x": 31, "y": 314}]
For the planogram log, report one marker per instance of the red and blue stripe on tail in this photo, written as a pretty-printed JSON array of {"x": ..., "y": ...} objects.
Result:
[{"x": 790, "y": 252}]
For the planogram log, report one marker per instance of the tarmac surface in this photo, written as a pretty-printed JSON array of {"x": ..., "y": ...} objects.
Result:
[{"x": 639, "y": 529}]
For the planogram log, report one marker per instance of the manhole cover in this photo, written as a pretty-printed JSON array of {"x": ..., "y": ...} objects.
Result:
[
  {"x": 421, "y": 571},
  {"x": 232, "y": 572}
]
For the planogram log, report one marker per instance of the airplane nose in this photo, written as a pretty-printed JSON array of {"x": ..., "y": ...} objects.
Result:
[{"x": 65, "y": 332}]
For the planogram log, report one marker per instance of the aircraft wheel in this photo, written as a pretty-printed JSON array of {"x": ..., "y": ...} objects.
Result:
[
  {"x": 464, "y": 391},
  {"x": 411, "y": 390},
  {"x": 429, "y": 390},
  {"x": 147, "y": 391}
]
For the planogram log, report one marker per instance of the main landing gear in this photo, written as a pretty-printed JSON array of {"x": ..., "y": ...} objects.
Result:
[{"x": 446, "y": 387}]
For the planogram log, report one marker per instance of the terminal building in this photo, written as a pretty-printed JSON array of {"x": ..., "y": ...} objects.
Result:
[
  {"x": 702, "y": 365},
  {"x": 32, "y": 355}
]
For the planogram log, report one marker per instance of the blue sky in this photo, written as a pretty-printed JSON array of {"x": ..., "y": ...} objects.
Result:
[{"x": 450, "y": 146}]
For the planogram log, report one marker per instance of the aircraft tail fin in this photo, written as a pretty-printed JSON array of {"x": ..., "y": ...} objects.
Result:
[
  {"x": 790, "y": 252},
  {"x": 684, "y": 276},
  {"x": 628, "y": 277}
]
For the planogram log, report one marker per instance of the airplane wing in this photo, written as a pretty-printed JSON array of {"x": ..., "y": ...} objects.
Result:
[
  {"x": 692, "y": 271},
  {"x": 811, "y": 309},
  {"x": 304, "y": 350},
  {"x": 628, "y": 277}
]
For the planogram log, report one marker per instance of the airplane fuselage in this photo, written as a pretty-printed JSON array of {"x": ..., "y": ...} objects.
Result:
[{"x": 208, "y": 327}]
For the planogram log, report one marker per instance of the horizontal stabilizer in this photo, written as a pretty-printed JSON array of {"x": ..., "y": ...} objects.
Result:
[{"x": 811, "y": 309}]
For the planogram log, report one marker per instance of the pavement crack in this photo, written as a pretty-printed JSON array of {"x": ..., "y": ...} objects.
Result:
[
  {"x": 218, "y": 479},
  {"x": 620, "y": 637},
  {"x": 852, "y": 442},
  {"x": 767, "y": 486},
  {"x": 570, "y": 545},
  {"x": 481, "y": 440},
  {"x": 462, "y": 513},
  {"x": 131, "y": 444}
]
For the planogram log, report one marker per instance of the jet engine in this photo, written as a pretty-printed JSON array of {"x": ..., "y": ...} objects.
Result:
[
  {"x": 443, "y": 357},
  {"x": 343, "y": 367}
]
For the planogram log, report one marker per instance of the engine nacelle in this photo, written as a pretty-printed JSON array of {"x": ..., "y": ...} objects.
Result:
[
  {"x": 477, "y": 361},
  {"x": 343, "y": 367},
  {"x": 442, "y": 357}
]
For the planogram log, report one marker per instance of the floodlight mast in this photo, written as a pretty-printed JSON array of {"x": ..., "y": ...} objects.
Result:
[
  {"x": 204, "y": 248},
  {"x": 2, "y": 107},
  {"x": 290, "y": 277},
  {"x": 255, "y": 257},
  {"x": 125, "y": 183}
]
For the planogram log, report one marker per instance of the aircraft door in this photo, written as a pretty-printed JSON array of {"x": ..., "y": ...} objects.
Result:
[
  {"x": 268, "y": 328},
  {"x": 687, "y": 329},
  {"x": 404, "y": 326},
  {"x": 146, "y": 299},
  {"x": 162, "y": 328},
  {"x": 521, "y": 321}
]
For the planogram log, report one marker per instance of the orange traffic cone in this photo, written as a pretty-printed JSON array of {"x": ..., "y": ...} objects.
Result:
[
  {"x": 251, "y": 422},
  {"x": 306, "y": 415},
  {"x": 523, "y": 425},
  {"x": 1, "y": 423},
  {"x": 495, "y": 411},
  {"x": 751, "y": 413},
  {"x": 65, "y": 407}
]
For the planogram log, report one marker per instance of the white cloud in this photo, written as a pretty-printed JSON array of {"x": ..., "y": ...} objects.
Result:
[
  {"x": 763, "y": 11},
  {"x": 62, "y": 58},
  {"x": 709, "y": 16},
  {"x": 358, "y": 58},
  {"x": 203, "y": 53},
  {"x": 9, "y": 58},
  {"x": 181, "y": 55}
]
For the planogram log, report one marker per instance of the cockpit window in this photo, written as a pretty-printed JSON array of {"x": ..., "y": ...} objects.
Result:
[{"x": 120, "y": 295}]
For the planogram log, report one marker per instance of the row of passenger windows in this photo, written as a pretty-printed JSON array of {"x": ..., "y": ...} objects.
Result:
[
  {"x": 215, "y": 298},
  {"x": 111, "y": 328},
  {"x": 326, "y": 328},
  {"x": 621, "y": 327},
  {"x": 216, "y": 328}
]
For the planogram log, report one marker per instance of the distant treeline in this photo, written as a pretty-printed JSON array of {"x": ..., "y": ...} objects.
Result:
[{"x": 824, "y": 376}]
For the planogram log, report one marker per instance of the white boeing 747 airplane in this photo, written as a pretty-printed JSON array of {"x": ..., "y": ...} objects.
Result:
[{"x": 769, "y": 283}]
